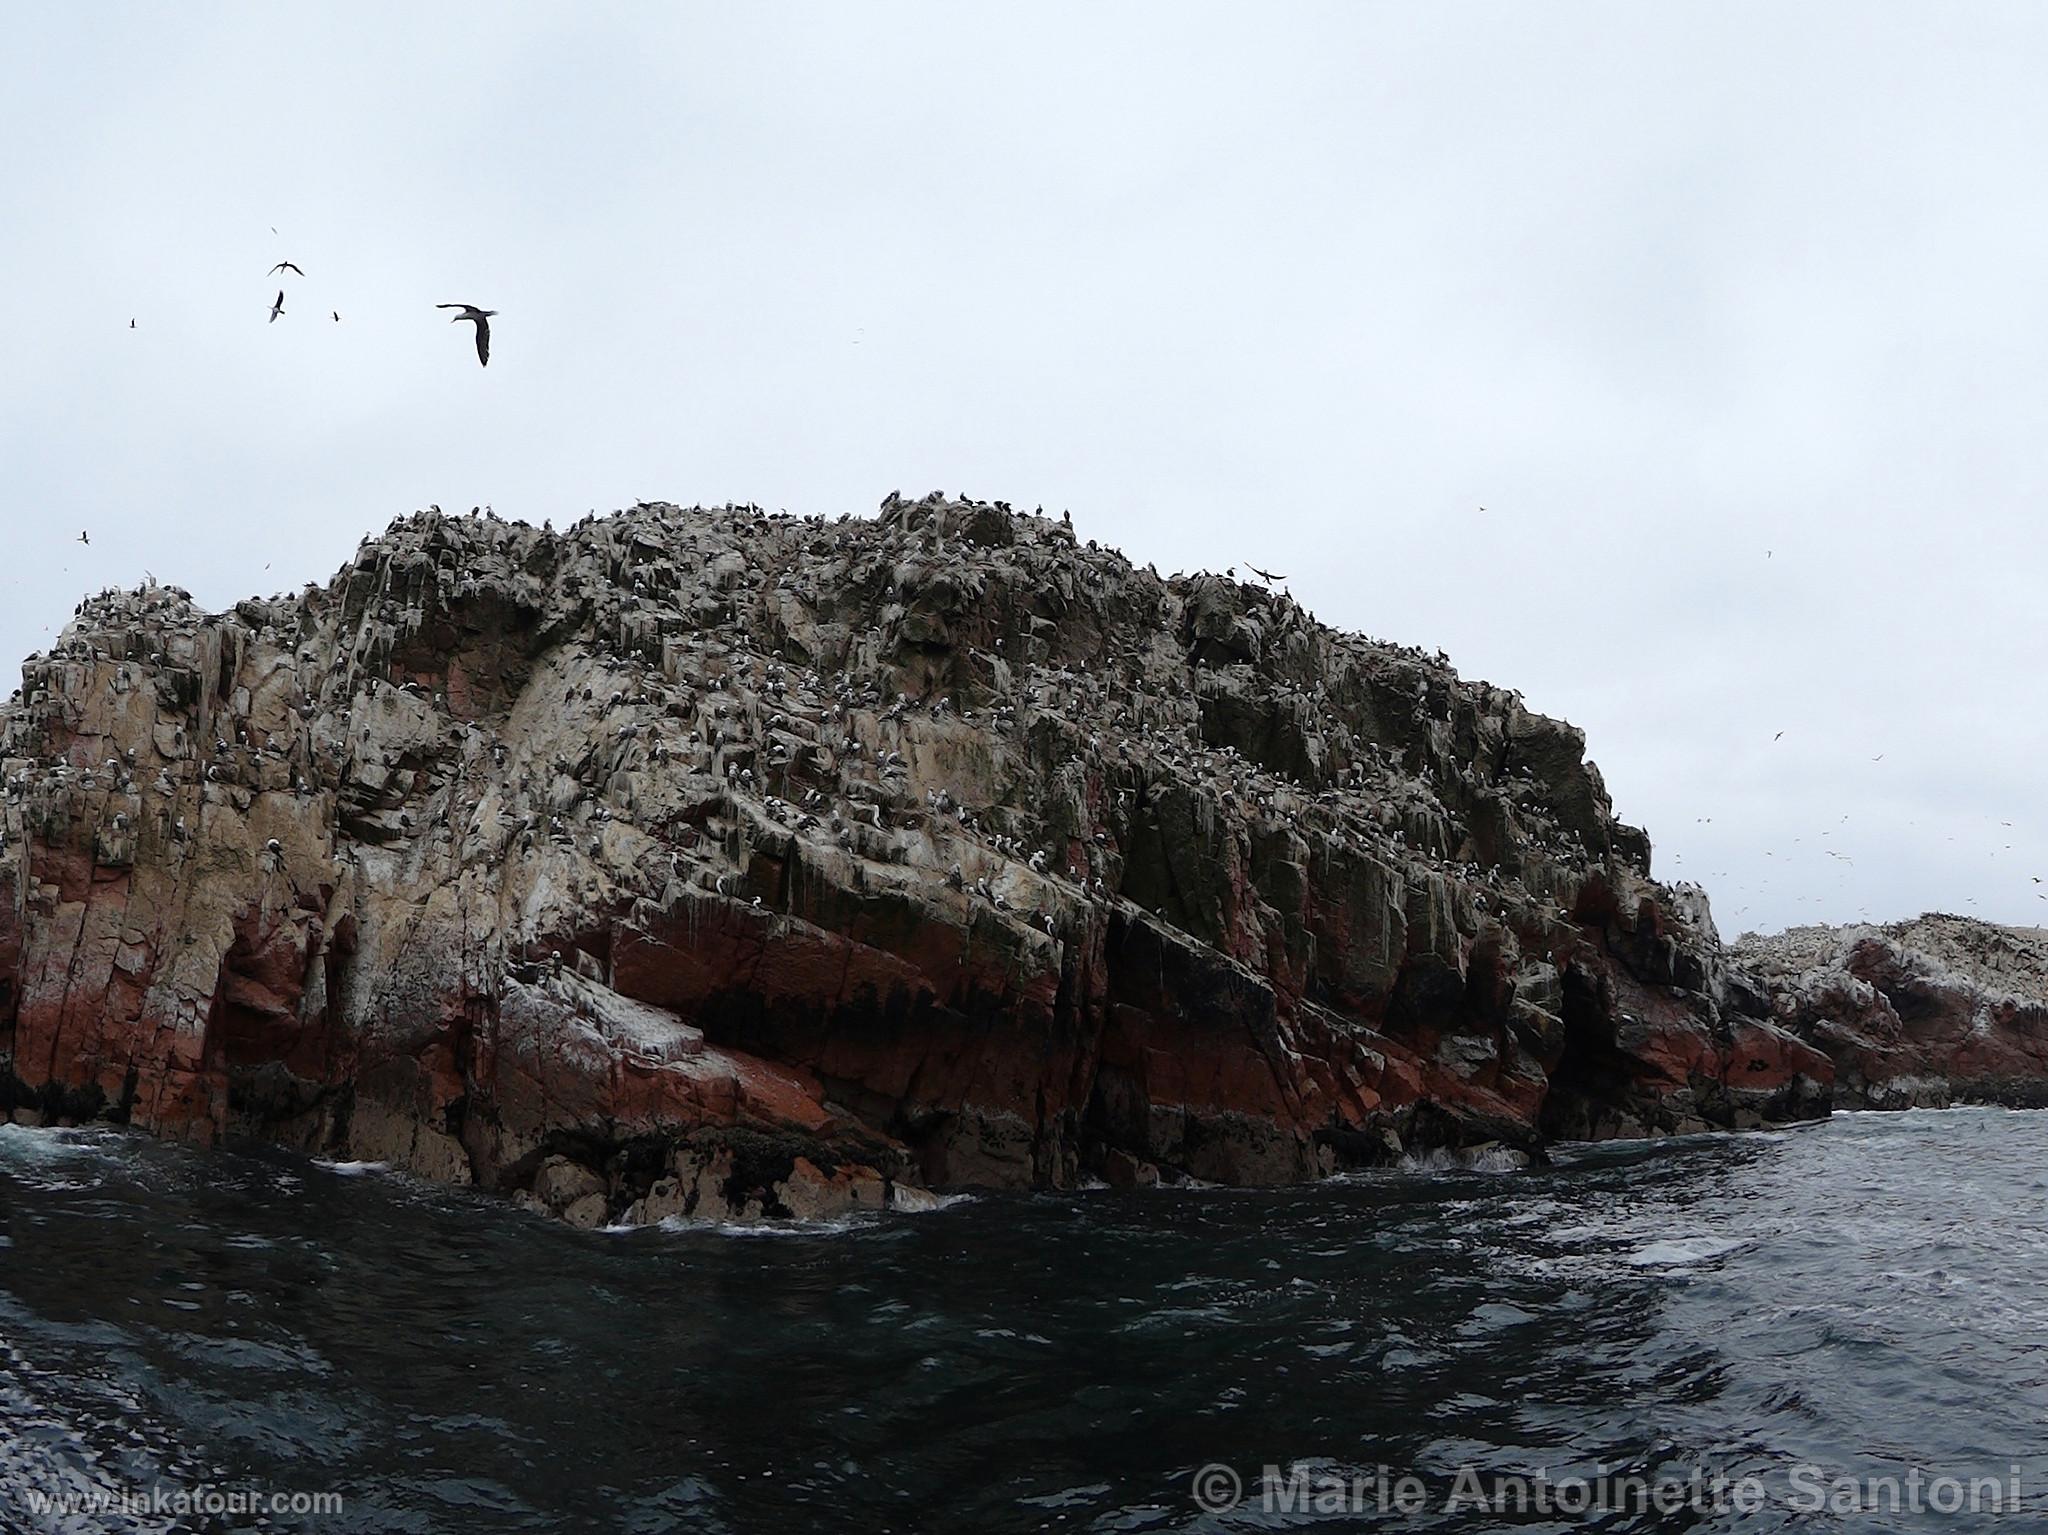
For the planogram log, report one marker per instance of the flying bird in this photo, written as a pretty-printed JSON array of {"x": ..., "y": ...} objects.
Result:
[
  {"x": 482, "y": 317},
  {"x": 1264, "y": 575},
  {"x": 131, "y": 325},
  {"x": 277, "y": 308},
  {"x": 84, "y": 538},
  {"x": 337, "y": 317},
  {"x": 1779, "y": 736},
  {"x": 286, "y": 266}
]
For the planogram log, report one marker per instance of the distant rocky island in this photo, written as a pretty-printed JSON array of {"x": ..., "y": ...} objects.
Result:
[{"x": 711, "y": 863}]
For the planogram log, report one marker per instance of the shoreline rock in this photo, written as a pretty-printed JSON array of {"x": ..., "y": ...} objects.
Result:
[
  {"x": 711, "y": 860},
  {"x": 1937, "y": 1010}
]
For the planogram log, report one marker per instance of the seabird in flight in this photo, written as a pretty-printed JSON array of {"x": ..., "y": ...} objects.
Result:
[
  {"x": 277, "y": 308},
  {"x": 84, "y": 538},
  {"x": 286, "y": 266},
  {"x": 1264, "y": 575},
  {"x": 482, "y": 317}
]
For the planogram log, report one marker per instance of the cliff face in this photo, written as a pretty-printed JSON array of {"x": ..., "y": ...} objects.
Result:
[
  {"x": 701, "y": 862},
  {"x": 1925, "y": 1013}
]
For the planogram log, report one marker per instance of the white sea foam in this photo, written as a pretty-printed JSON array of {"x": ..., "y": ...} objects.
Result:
[
  {"x": 352, "y": 1169},
  {"x": 41, "y": 1143},
  {"x": 837, "y": 1225},
  {"x": 833, "y": 1226},
  {"x": 1485, "y": 1159},
  {"x": 822, "y": 1226},
  {"x": 1684, "y": 1252},
  {"x": 938, "y": 1202}
]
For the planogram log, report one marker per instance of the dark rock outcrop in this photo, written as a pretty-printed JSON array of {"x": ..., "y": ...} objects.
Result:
[{"x": 706, "y": 862}]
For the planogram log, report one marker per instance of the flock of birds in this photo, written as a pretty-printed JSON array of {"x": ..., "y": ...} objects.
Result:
[
  {"x": 1382, "y": 777},
  {"x": 1388, "y": 834},
  {"x": 739, "y": 659},
  {"x": 844, "y": 748},
  {"x": 480, "y": 318}
]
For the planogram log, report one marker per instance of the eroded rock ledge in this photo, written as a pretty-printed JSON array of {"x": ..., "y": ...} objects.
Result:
[{"x": 711, "y": 863}]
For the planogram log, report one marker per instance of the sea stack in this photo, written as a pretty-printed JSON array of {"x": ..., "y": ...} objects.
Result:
[{"x": 706, "y": 861}]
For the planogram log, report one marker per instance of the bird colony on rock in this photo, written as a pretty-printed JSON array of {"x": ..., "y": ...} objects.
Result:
[{"x": 712, "y": 862}]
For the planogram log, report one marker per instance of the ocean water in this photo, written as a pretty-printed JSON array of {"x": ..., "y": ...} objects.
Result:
[{"x": 1857, "y": 1308}]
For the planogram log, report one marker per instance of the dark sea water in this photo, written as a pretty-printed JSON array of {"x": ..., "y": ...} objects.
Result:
[{"x": 1854, "y": 1299}]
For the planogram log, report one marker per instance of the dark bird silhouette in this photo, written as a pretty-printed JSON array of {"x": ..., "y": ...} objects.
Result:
[
  {"x": 131, "y": 325},
  {"x": 277, "y": 308},
  {"x": 286, "y": 266},
  {"x": 84, "y": 538},
  {"x": 337, "y": 317},
  {"x": 1264, "y": 575},
  {"x": 482, "y": 317},
  {"x": 1779, "y": 736}
]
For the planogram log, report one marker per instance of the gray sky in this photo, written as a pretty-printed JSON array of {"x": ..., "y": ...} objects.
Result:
[{"x": 1730, "y": 316}]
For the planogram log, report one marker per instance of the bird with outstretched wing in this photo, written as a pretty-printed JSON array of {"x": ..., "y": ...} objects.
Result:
[{"x": 482, "y": 320}]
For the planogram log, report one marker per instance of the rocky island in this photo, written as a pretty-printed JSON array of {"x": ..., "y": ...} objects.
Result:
[{"x": 712, "y": 863}]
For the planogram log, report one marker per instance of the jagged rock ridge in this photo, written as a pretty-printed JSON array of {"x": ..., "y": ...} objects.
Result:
[{"x": 702, "y": 861}]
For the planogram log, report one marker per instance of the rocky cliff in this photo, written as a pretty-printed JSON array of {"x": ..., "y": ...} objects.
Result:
[
  {"x": 702, "y": 861},
  {"x": 1925, "y": 1013}
]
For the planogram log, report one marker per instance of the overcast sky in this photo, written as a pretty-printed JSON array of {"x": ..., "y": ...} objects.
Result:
[{"x": 1730, "y": 317}]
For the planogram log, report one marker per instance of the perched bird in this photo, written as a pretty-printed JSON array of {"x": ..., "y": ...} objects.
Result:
[
  {"x": 286, "y": 266},
  {"x": 277, "y": 308},
  {"x": 482, "y": 317}
]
